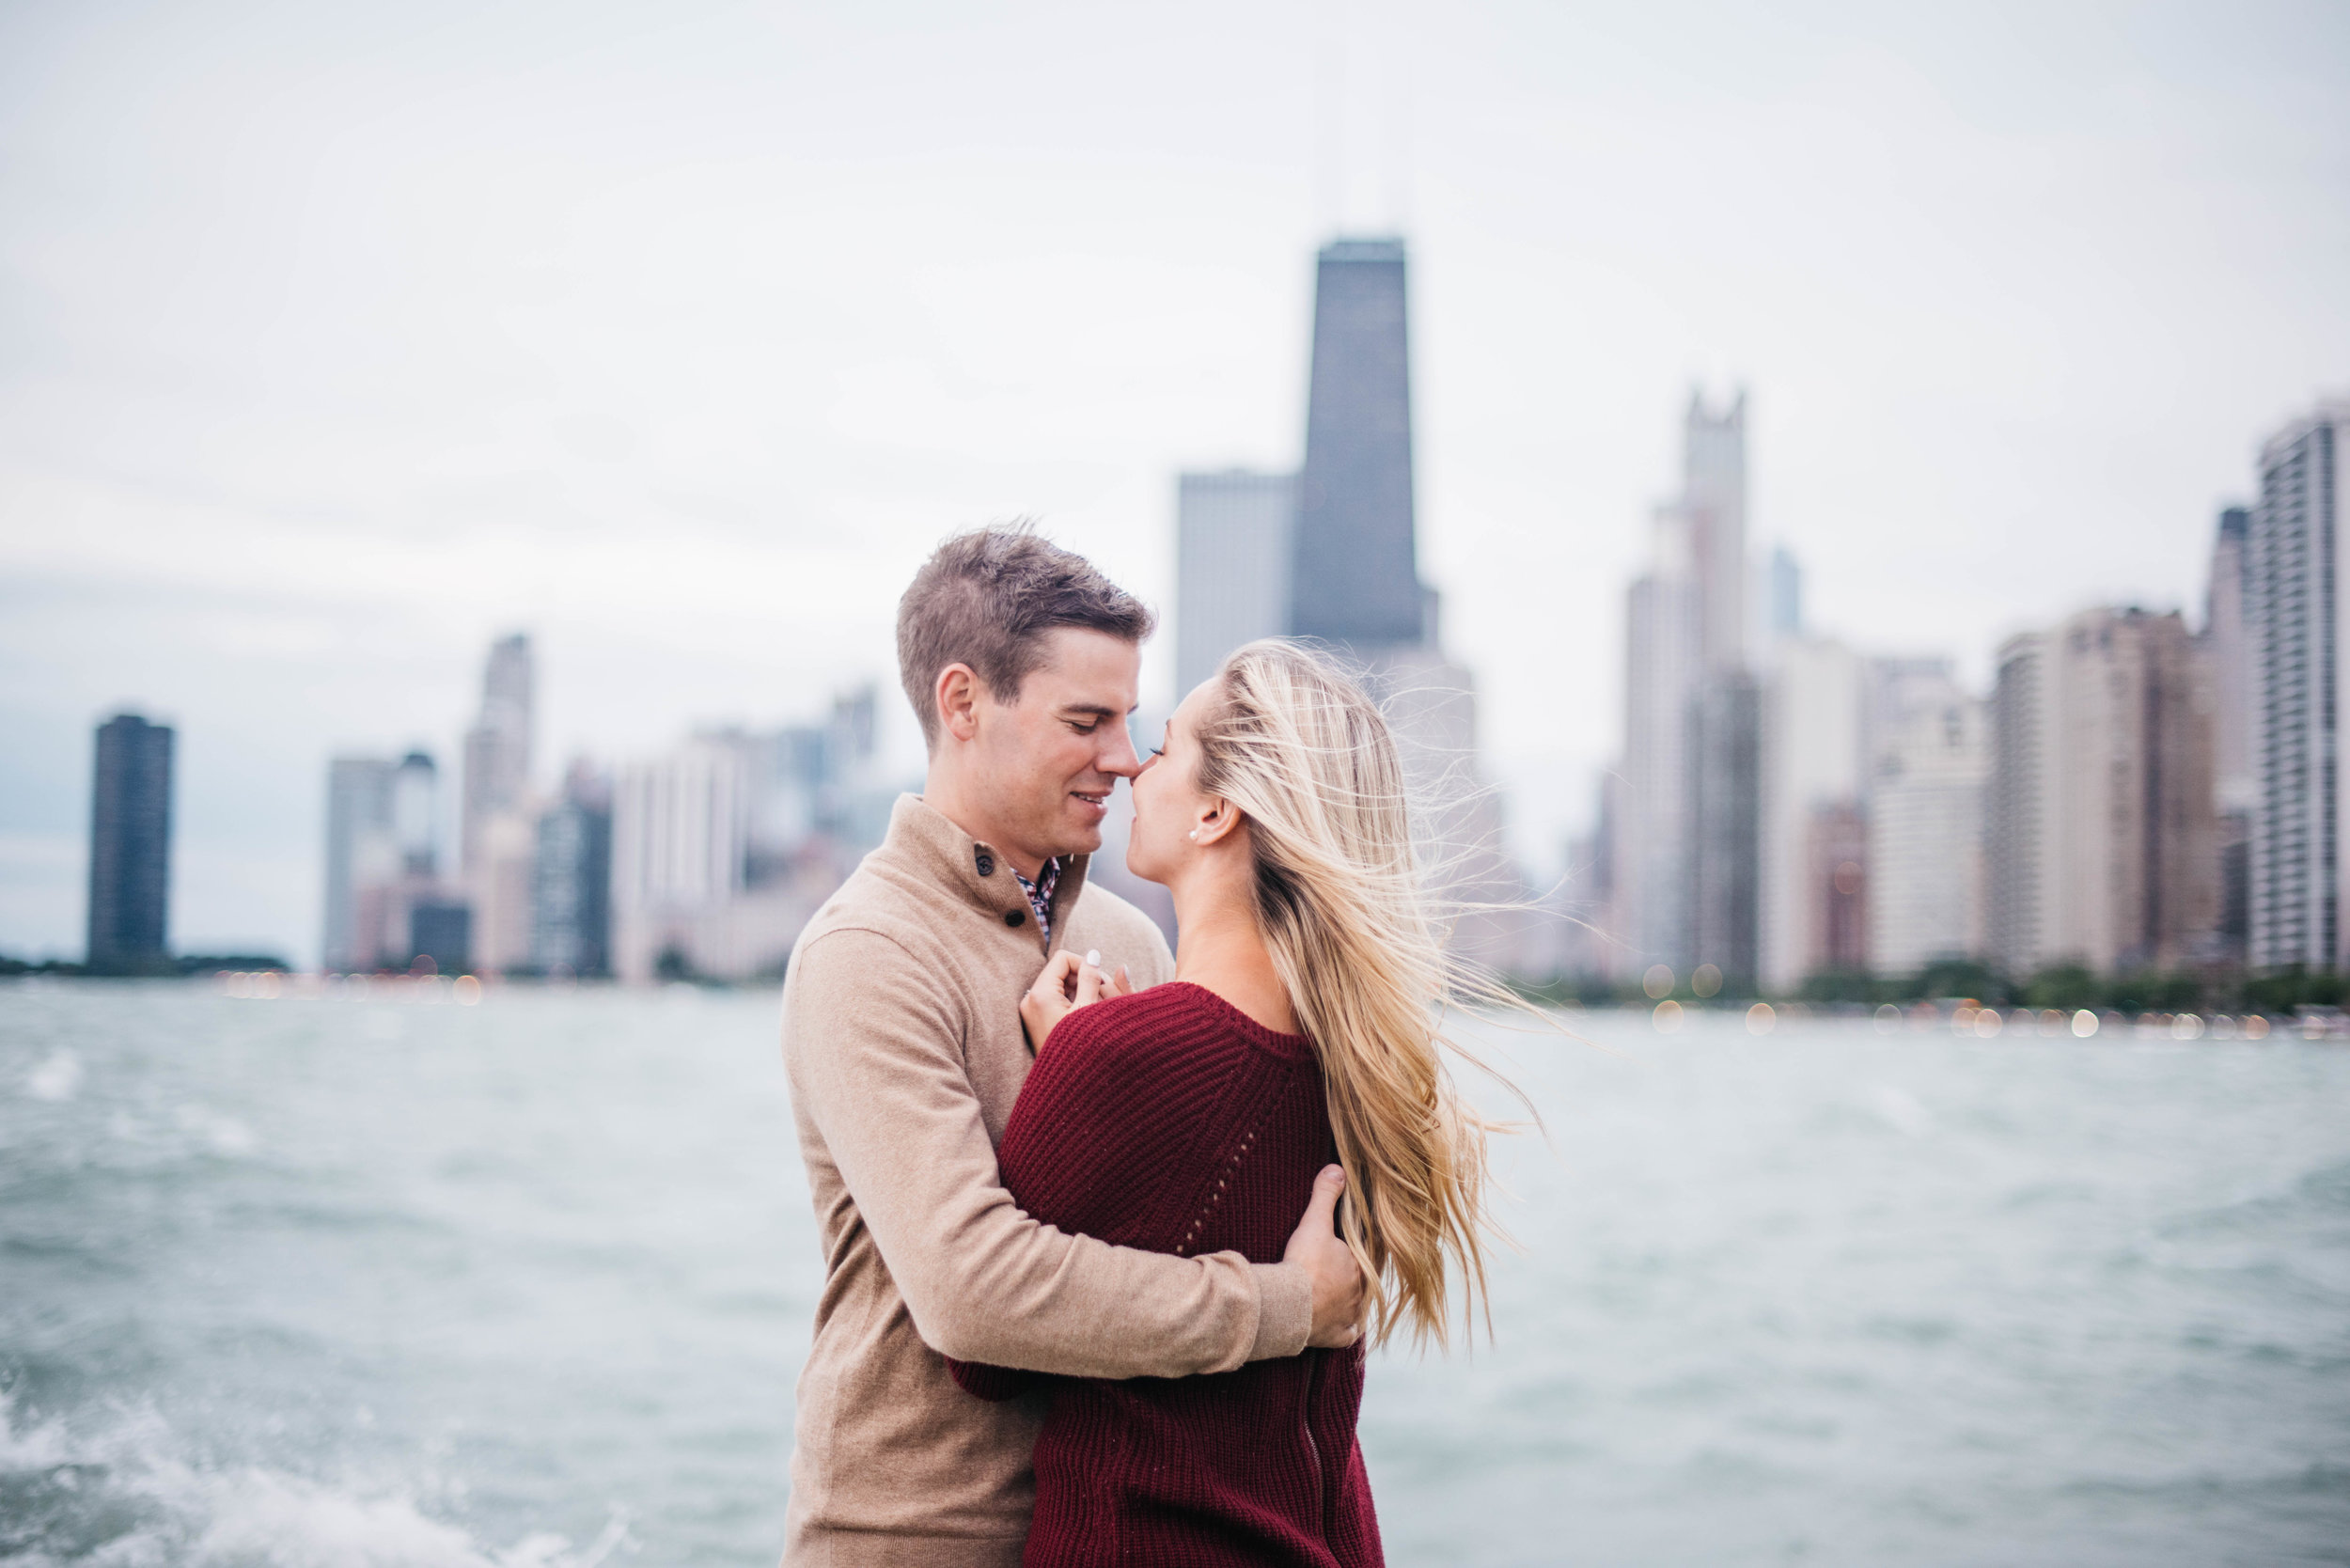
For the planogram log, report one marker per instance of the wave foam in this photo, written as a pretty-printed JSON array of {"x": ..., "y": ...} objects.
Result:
[{"x": 121, "y": 1498}]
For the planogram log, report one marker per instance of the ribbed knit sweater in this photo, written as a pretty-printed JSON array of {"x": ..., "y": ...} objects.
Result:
[{"x": 1169, "y": 1121}]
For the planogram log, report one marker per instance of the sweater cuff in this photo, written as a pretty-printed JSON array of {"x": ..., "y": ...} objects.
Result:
[{"x": 1285, "y": 1310}]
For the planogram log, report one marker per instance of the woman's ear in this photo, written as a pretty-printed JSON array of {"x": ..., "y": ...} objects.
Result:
[{"x": 1215, "y": 823}]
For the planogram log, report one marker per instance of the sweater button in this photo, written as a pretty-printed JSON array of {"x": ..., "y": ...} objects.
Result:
[
  {"x": 1014, "y": 918},
  {"x": 986, "y": 863}
]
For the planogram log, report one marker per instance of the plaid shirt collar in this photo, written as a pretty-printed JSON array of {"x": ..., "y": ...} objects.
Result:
[{"x": 1041, "y": 896}]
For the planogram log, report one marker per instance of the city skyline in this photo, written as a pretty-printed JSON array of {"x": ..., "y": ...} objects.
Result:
[{"x": 284, "y": 490}]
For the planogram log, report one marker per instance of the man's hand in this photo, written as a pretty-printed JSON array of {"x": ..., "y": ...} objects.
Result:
[
  {"x": 1315, "y": 1246},
  {"x": 1068, "y": 983}
]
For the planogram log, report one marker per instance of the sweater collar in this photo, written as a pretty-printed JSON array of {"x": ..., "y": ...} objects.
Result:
[{"x": 930, "y": 846}]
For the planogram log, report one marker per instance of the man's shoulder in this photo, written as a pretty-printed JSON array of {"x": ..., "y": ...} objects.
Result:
[
  {"x": 876, "y": 914},
  {"x": 885, "y": 894}
]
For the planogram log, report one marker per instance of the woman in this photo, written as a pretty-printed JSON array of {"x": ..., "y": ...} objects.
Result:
[{"x": 1194, "y": 1118}]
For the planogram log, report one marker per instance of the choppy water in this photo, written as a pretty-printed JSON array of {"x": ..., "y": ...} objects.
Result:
[{"x": 343, "y": 1282}]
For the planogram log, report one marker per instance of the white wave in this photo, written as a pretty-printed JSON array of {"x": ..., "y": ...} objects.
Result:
[
  {"x": 246, "y": 1516},
  {"x": 58, "y": 1077}
]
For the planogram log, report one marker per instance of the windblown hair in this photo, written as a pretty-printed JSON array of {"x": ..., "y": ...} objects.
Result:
[
  {"x": 986, "y": 598},
  {"x": 1295, "y": 744}
]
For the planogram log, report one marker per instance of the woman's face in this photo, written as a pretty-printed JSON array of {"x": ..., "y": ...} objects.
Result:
[{"x": 1166, "y": 804}]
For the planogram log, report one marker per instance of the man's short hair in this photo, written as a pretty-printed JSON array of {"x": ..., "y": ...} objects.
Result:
[{"x": 987, "y": 598}]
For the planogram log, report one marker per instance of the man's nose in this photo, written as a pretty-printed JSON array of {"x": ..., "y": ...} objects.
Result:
[{"x": 1118, "y": 758}]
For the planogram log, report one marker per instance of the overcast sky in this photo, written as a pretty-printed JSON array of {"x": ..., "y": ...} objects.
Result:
[{"x": 334, "y": 340}]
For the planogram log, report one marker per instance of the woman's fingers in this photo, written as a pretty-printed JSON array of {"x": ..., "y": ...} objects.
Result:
[
  {"x": 1069, "y": 981},
  {"x": 1045, "y": 984},
  {"x": 1060, "y": 976}
]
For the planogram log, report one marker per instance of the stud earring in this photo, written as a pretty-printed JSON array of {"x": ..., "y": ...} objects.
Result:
[{"x": 1195, "y": 835}]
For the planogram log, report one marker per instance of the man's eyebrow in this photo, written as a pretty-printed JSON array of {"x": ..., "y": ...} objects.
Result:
[{"x": 1100, "y": 710}]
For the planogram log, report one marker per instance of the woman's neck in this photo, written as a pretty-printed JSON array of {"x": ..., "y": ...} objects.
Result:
[{"x": 1220, "y": 948}]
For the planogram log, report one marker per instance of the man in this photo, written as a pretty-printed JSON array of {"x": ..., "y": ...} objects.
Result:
[{"x": 902, "y": 1034}]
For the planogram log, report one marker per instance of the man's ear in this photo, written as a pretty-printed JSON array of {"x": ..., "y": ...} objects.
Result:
[{"x": 957, "y": 694}]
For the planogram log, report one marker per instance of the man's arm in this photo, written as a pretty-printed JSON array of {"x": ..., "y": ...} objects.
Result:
[{"x": 880, "y": 1064}]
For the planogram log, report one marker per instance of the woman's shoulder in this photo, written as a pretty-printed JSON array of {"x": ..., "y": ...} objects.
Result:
[
  {"x": 1174, "y": 1028},
  {"x": 1145, "y": 1023}
]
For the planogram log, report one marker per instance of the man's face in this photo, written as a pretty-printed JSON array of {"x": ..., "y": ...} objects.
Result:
[{"x": 1049, "y": 759}]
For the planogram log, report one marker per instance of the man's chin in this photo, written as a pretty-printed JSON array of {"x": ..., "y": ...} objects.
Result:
[{"x": 1076, "y": 839}]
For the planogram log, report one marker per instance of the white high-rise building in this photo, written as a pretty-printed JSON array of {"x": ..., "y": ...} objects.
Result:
[
  {"x": 1233, "y": 549},
  {"x": 1713, "y": 502},
  {"x": 680, "y": 840},
  {"x": 1928, "y": 764},
  {"x": 2295, "y": 591},
  {"x": 497, "y": 828},
  {"x": 1686, "y": 861},
  {"x": 1811, "y": 791},
  {"x": 360, "y": 854},
  {"x": 498, "y": 747},
  {"x": 1649, "y": 922}
]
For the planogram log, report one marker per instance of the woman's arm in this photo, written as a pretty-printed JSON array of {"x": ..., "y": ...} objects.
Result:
[{"x": 1088, "y": 1149}]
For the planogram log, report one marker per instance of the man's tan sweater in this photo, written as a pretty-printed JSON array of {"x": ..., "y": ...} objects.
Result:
[{"x": 902, "y": 1035}]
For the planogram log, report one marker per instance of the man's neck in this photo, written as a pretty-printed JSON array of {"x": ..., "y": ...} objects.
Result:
[{"x": 942, "y": 792}]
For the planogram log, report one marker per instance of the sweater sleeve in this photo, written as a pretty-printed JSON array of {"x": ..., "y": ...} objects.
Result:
[
  {"x": 881, "y": 1070},
  {"x": 1083, "y": 1154}
]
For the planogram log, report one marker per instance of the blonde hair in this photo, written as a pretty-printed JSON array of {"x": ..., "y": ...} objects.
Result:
[{"x": 1295, "y": 744}]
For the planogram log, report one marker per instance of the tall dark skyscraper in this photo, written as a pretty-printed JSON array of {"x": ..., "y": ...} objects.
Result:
[
  {"x": 129, "y": 847},
  {"x": 1354, "y": 574}
]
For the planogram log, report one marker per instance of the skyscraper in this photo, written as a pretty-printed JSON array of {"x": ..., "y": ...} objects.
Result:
[
  {"x": 1332, "y": 555},
  {"x": 571, "y": 902},
  {"x": 1354, "y": 575},
  {"x": 497, "y": 747},
  {"x": 498, "y": 833},
  {"x": 1650, "y": 917},
  {"x": 130, "y": 848},
  {"x": 2293, "y": 601},
  {"x": 1690, "y": 849},
  {"x": 2103, "y": 843},
  {"x": 2234, "y": 758},
  {"x": 360, "y": 855},
  {"x": 382, "y": 863},
  {"x": 1928, "y": 759},
  {"x": 1725, "y": 818},
  {"x": 681, "y": 830},
  {"x": 1233, "y": 544},
  {"x": 1813, "y": 847},
  {"x": 1714, "y": 499}
]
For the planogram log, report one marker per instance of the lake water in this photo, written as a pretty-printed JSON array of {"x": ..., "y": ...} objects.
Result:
[{"x": 351, "y": 1282}]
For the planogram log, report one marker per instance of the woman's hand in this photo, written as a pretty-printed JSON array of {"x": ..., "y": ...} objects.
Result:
[{"x": 1068, "y": 983}]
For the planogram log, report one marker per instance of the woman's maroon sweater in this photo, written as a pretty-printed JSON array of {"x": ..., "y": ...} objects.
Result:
[{"x": 1170, "y": 1120}]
